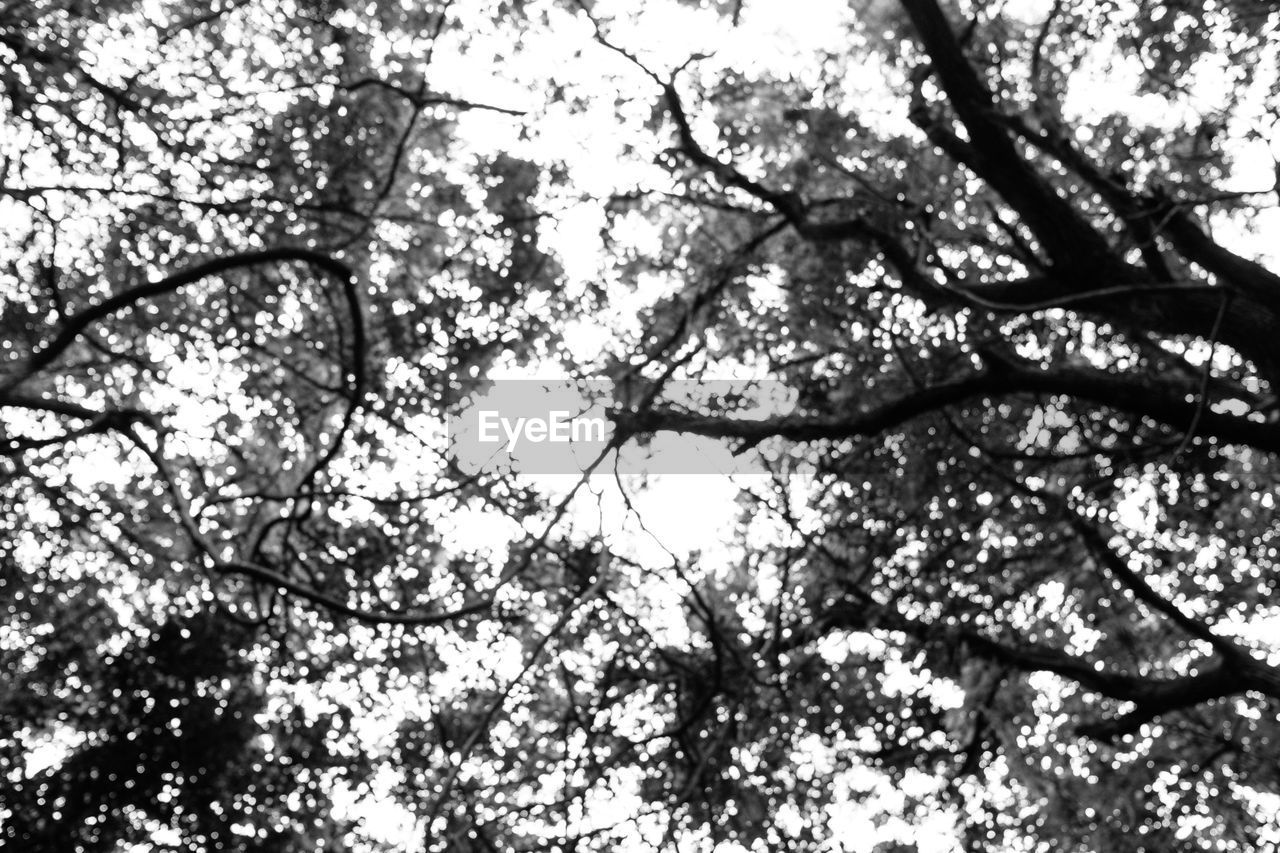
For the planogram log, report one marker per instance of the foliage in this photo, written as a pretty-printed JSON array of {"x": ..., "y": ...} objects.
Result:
[{"x": 1008, "y": 581}]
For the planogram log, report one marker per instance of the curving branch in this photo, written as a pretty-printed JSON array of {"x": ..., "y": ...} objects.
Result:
[
  {"x": 1151, "y": 696},
  {"x": 277, "y": 580},
  {"x": 77, "y": 324},
  {"x": 109, "y": 421},
  {"x": 1118, "y": 567},
  {"x": 1171, "y": 407}
]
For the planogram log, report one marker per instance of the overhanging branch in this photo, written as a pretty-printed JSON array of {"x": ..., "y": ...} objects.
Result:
[{"x": 1173, "y": 408}]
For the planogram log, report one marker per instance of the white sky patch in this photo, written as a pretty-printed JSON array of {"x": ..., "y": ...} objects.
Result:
[
  {"x": 686, "y": 513},
  {"x": 1028, "y": 11},
  {"x": 1138, "y": 510},
  {"x": 49, "y": 749},
  {"x": 472, "y": 530}
]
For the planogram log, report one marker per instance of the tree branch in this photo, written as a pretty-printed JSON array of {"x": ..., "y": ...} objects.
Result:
[
  {"x": 1170, "y": 407},
  {"x": 1119, "y": 568},
  {"x": 1069, "y": 240},
  {"x": 76, "y": 324}
]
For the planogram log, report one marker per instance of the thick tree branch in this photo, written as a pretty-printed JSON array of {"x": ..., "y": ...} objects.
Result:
[
  {"x": 1170, "y": 407},
  {"x": 1069, "y": 240},
  {"x": 1249, "y": 324},
  {"x": 1119, "y": 568},
  {"x": 1151, "y": 696}
]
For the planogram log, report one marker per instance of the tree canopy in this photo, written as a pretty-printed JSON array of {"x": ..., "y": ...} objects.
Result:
[{"x": 1006, "y": 579}]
